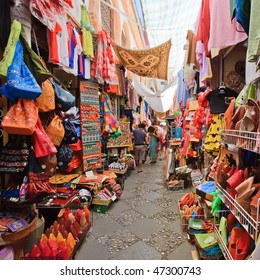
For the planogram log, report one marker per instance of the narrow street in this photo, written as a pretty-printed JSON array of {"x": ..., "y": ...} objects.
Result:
[{"x": 143, "y": 224}]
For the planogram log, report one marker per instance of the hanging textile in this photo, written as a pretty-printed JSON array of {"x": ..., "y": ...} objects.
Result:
[
  {"x": 111, "y": 124},
  {"x": 219, "y": 21},
  {"x": 152, "y": 62},
  {"x": 254, "y": 32},
  {"x": 87, "y": 29},
  {"x": 160, "y": 102},
  {"x": 103, "y": 68}
]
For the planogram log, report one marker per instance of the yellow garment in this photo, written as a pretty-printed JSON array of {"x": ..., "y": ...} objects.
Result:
[
  {"x": 87, "y": 40},
  {"x": 10, "y": 48},
  {"x": 213, "y": 138}
]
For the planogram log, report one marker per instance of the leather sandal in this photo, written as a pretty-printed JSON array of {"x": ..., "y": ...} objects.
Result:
[
  {"x": 237, "y": 118},
  {"x": 236, "y": 179}
]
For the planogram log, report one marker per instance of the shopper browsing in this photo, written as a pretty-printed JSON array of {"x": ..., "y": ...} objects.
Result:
[{"x": 140, "y": 138}]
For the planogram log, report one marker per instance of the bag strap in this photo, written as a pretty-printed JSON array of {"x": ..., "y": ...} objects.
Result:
[{"x": 36, "y": 42}]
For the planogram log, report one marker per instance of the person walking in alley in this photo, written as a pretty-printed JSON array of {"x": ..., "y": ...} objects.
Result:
[
  {"x": 140, "y": 138},
  {"x": 153, "y": 143}
]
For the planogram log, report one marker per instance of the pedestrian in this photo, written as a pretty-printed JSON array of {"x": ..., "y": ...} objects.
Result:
[
  {"x": 140, "y": 139},
  {"x": 153, "y": 142}
]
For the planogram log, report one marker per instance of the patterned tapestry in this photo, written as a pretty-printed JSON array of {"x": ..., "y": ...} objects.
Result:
[{"x": 152, "y": 62}]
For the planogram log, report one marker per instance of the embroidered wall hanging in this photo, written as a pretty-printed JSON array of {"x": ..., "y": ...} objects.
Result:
[{"x": 152, "y": 62}]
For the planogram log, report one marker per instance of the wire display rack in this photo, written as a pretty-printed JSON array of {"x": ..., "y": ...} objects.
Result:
[
  {"x": 222, "y": 244},
  {"x": 251, "y": 225},
  {"x": 184, "y": 219},
  {"x": 242, "y": 139}
]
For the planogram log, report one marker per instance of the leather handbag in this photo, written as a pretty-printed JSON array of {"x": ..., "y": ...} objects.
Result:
[
  {"x": 46, "y": 101},
  {"x": 20, "y": 83},
  {"x": 64, "y": 99},
  {"x": 14, "y": 157},
  {"x": 55, "y": 130},
  {"x": 42, "y": 143},
  {"x": 21, "y": 118}
]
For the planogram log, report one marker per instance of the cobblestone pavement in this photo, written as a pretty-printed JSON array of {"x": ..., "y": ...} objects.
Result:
[{"x": 143, "y": 224}]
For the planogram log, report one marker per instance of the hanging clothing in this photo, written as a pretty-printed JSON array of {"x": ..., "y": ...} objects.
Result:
[
  {"x": 203, "y": 31},
  {"x": 217, "y": 101},
  {"x": 220, "y": 21},
  {"x": 254, "y": 32},
  {"x": 103, "y": 68},
  {"x": 191, "y": 56},
  {"x": 205, "y": 65},
  {"x": 111, "y": 124},
  {"x": 53, "y": 43},
  {"x": 242, "y": 13},
  {"x": 14, "y": 35},
  {"x": 213, "y": 138},
  {"x": 62, "y": 41},
  {"x": 87, "y": 40}
]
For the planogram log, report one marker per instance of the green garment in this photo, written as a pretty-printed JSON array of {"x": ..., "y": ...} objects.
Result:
[
  {"x": 232, "y": 8},
  {"x": 87, "y": 40},
  {"x": 7, "y": 60},
  {"x": 254, "y": 32}
]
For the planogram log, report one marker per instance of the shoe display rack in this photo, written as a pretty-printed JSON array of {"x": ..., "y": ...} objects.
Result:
[
  {"x": 250, "y": 141},
  {"x": 242, "y": 139},
  {"x": 218, "y": 235}
]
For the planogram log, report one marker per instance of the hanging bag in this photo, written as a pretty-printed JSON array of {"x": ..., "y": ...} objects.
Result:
[
  {"x": 21, "y": 118},
  {"x": 64, "y": 99},
  {"x": 39, "y": 185},
  {"x": 55, "y": 130},
  {"x": 35, "y": 63},
  {"x": 20, "y": 81},
  {"x": 42, "y": 142},
  {"x": 64, "y": 156},
  {"x": 46, "y": 101},
  {"x": 71, "y": 136},
  {"x": 14, "y": 157}
]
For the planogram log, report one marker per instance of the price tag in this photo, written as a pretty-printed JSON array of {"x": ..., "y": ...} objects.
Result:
[{"x": 114, "y": 197}]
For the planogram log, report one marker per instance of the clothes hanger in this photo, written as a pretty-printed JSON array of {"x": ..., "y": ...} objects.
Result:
[{"x": 222, "y": 88}]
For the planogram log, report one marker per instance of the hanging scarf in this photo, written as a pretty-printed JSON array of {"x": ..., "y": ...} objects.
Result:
[{"x": 103, "y": 68}]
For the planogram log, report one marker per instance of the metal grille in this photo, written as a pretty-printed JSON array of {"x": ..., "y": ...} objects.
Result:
[{"x": 106, "y": 15}]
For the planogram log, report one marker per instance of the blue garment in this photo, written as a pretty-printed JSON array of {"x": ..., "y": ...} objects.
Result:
[
  {"x": 243, "y": 13},
  {"x": 178, "y": 132},
  {"x": 180, "y": 85},
  {"x": 152, "y": 148}
]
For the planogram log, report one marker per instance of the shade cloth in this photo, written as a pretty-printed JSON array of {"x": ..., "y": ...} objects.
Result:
[
  {"x": 152, "y": 62},
  {"x": 160, "y": 102}
]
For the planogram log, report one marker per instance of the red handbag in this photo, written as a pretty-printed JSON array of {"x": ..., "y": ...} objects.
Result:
[{"x": 41, "y": 141}]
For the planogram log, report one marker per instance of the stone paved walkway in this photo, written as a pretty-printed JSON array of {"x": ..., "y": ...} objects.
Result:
[{"x": 143, "y": 224}]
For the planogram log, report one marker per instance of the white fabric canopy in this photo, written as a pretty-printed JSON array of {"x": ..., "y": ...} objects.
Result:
[{"x": 160, "y": 102}]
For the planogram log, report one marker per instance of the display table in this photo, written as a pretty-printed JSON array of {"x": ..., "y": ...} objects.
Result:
[
  {"x": 50, "y": 207},
  {"x": 121, "y": 175}
]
